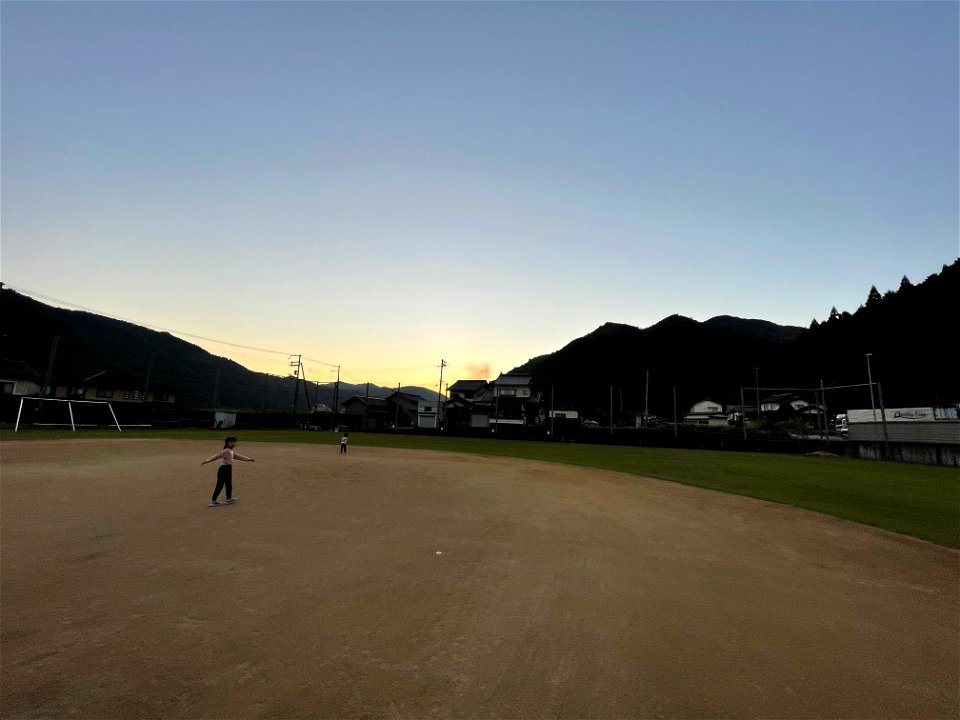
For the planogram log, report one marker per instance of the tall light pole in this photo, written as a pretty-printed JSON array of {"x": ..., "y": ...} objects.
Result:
[
  {"x": 756, "y": 371},
  {"x": 870, "y": 380}
]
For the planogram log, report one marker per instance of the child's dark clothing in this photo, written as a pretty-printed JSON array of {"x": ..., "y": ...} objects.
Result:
[{"x": 224, "y": 480}]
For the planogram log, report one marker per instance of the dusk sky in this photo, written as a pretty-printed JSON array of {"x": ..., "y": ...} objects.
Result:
[{"x": 382, "y": 185}]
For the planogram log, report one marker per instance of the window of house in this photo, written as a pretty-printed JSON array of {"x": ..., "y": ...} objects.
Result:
[
  {"x": 508, "y": 392},
  {"x": 8, "y": 388},
  {"x": 133, "y": 395},
  {"x": 101, "y": 393}
]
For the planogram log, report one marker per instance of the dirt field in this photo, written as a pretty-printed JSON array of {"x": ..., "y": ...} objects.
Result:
[{"x": 390, "y": 583}]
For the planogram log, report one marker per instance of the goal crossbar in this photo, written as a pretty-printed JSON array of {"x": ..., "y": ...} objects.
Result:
[{"x": 73, "y": 425}]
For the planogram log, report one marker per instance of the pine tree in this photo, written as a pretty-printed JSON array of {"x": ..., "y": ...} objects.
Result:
[{"x": 874, "y": 296}]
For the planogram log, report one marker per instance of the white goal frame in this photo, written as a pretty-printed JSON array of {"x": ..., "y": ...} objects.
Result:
[{"x": 73, "y": 425}]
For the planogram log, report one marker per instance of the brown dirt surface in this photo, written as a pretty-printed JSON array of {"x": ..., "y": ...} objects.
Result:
[{"x": 390, "y": 583}]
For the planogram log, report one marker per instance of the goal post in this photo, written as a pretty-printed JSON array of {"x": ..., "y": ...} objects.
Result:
[{"x": 70, "y": 404}]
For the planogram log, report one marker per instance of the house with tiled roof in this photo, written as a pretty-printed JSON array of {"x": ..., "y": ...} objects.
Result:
[
  {"x": 514, "y": 401},
  {"x": 363, "y": 412},
  {"x": 467, "y": 389}
]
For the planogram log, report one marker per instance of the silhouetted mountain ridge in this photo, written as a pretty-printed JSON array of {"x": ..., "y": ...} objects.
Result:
[
  {"x": 673, "y": 363},
  {"x": 88, "y": 343},
  {"x": 907, "y": 333}
]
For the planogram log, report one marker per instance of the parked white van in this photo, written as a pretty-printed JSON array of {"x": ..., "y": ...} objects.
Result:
[{"x": 840, "y": 425}]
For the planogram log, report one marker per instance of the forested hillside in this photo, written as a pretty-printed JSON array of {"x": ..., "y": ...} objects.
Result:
[
  {"x": 88, "y": 343},
  {"x": 908, "y": 331}
]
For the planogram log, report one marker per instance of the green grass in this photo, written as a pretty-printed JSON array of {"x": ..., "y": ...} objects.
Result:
[{"x": 916, "y": 500}]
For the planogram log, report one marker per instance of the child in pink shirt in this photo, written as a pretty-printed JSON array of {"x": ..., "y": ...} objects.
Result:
[{"x": 225, "y": 471}]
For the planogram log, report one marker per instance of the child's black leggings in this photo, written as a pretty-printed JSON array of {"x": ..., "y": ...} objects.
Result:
[{"x": 224, "y": 479}]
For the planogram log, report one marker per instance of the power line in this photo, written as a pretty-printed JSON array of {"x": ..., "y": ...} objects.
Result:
[
  {"x": 355, "y": 373},
  {"x": 156, "y": 327}
]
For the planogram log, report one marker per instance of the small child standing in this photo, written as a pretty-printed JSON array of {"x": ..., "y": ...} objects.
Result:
[
  {"x": 225, "y": 471},
  {"x": 343, "y": 442}
]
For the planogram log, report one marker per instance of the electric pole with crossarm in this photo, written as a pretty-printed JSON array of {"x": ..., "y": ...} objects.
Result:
[{"x": 443, "y": 364}]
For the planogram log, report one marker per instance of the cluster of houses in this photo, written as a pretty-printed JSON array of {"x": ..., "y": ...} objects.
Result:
[
  {"x": 511, "y": 400},
  {"x": 508, "y": 400}
]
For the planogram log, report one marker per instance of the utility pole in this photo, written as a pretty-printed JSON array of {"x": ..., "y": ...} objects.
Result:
[
  {"x": 146, "y": 384},
  {"x": 646, "y": 400},
  {"x": 675, "y": 411},
  {"x": 611, "y": 409},
  {"x": 296, "y": 385},
  {"x": 443, "y": 364},
  {"x": 396, "y": 405},
  {"x": 53, "y": 354},
  {"x": 306, "y": 390},
  {"x": 216, "y": 389},
  {"x": 496, "y": 407},
  {"x": 336, "y": 402},
  {"x": 263, "y": 402}
]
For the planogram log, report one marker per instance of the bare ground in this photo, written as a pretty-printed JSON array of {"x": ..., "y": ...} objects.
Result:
[{"x": 390, "y": 583}]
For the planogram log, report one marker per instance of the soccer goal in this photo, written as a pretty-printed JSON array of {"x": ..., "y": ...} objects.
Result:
[{"x": 58, "y": 416}]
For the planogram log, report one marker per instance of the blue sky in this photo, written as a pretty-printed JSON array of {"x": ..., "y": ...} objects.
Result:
[{"x": 382, "y": 185}]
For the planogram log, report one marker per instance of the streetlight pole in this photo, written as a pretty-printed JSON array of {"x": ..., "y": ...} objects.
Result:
[{"x": 873, "y": 407}]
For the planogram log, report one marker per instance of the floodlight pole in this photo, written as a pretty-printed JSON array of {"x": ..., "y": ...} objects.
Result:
[
  {"x": 883, "y": 419},
  {"x": 870, "y": 380},
  {"x": 756, "y": 371},
  {"x": 674, "y": 411},
  {"x": 49, "y": 375},
  {"x": 553, "y": 413},
  {"x": 826, "y": 417},
  {"x": 743, "y": 414},
  {"x": 646, "y": 399}
]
